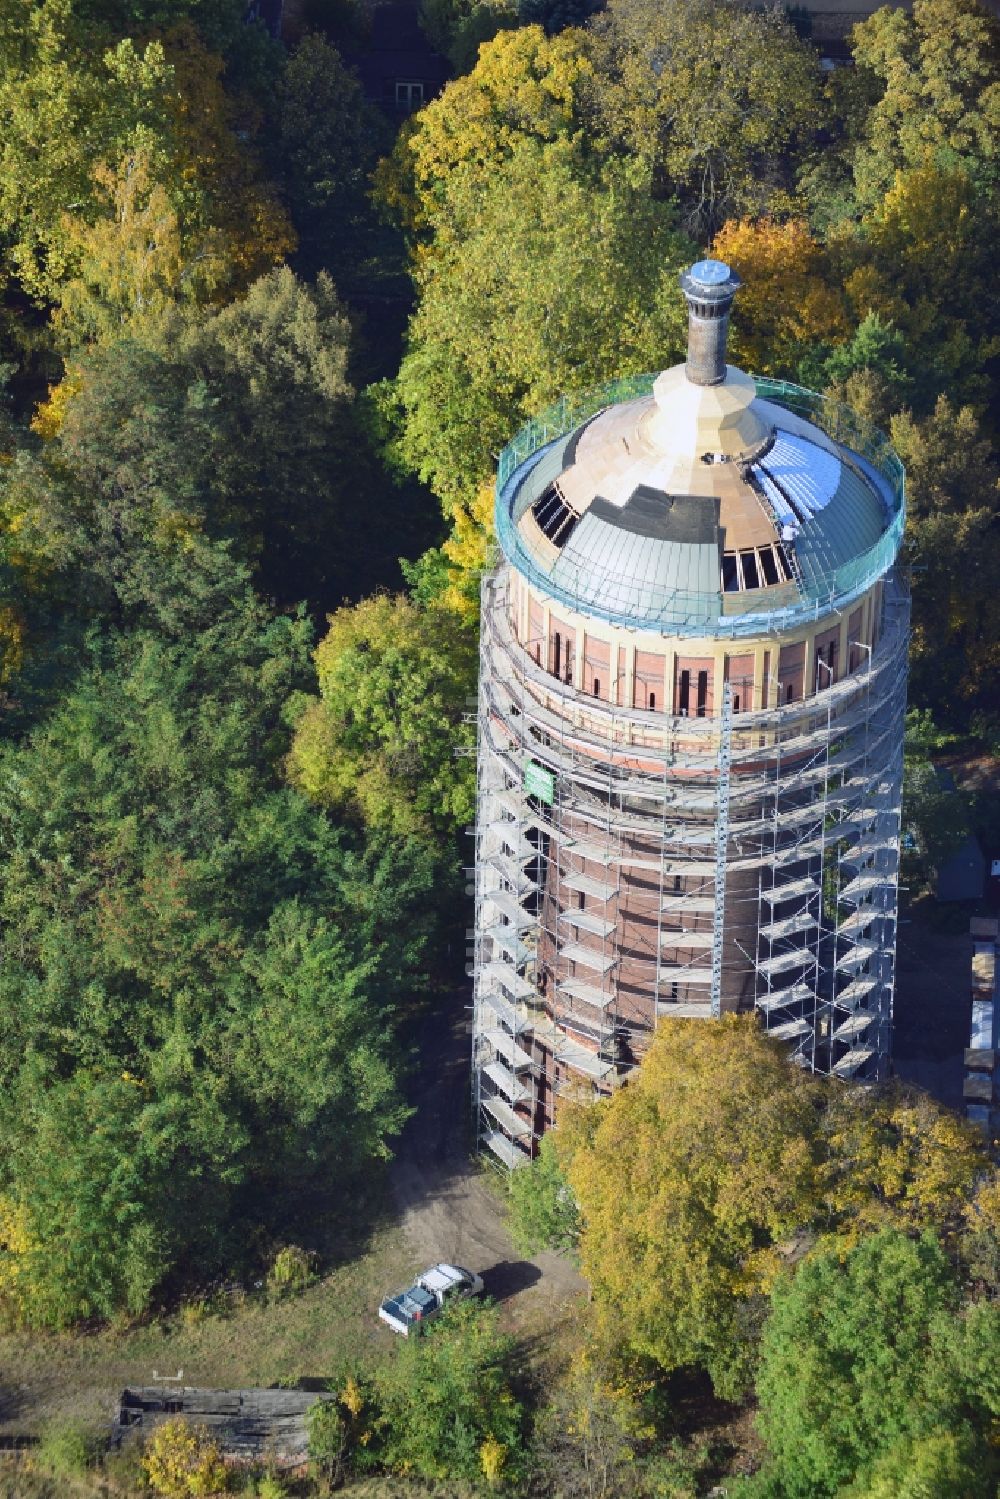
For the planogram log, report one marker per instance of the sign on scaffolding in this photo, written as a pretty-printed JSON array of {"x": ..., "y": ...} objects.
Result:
[{"x": 540, "y": 782}]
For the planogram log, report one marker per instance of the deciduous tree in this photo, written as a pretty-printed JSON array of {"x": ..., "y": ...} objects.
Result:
[
  {"x": 953, "y": 484},
  {"x": 520, "y": 304},
  {"x": 922, "y": 261},
  {"x": 859, "y": 1365},
  {"x": 235, "y": 424},
  {"x": 328, "y": 141},
  {"x": 525, "y": 86},
  {"x": 693, "y": 1176},
  {"x": 715, "y": 98},
  {"x": 789, "y": 299},
  {"x": 939, "y": 70},
  {"x": 381, "y": 740},
  {"x": 99, "y": 106},
  {"x": 896, "y": 1157}
]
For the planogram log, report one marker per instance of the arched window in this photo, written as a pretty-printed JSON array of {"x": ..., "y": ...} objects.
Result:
[
  {"x": 597, "y": 686},
  {"x": 557, "y": 654},
  {"x": 652, "y": 702}
]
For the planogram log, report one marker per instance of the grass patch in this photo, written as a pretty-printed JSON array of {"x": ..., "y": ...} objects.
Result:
[{"x": 73, "y": 1379}]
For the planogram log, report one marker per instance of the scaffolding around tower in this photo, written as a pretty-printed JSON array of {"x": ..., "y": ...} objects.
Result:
[{"x": 608, "y": 850}]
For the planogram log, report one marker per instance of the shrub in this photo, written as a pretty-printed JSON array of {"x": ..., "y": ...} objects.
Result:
[
  {"x": 339, "y": 1429},
  {"x": 292, "y": 1270},
  {"x": 543, "y": 1210},
  {"x": 446, "y": 1403},
  {"x": 67, "y": 1449},
  {"x": 182, "y": 1461},
  {"x": 270, "y": 1487}
]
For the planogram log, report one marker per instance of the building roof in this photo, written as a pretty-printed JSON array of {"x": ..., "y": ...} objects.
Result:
[{"x": 701, "y": 506}]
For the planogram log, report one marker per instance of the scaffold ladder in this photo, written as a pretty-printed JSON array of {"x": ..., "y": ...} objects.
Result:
[{"x": 721, "y": 845}]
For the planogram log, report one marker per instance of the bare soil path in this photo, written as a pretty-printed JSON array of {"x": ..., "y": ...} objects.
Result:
[{"x": 448, "y": 1208}]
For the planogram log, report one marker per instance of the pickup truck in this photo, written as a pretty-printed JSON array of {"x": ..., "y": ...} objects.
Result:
[{"x": 437, "y": 1288}]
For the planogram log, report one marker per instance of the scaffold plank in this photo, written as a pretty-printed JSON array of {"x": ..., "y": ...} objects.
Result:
[
  {"x": 799, "y": 957},
  {"x": 684, "y": 1009},
  {"x": 587, "y": 921},
  {"x": 505, "y": 1013},
  {"x": 597, "y": 853},
  {"x": 514, "y": 983},
  {"x": 590, "y": 884},
  {"x": 508, "y": 906},
  {"x": 783, "y": 999},
  {"x": 505, "y": 1116},
  {"x": 511, "y": 803},
  {"x": 863, "y": 884},
  {"x": 687, "y": 869},
  {"x": 506, "y": 837},
  {"x": 698, "y": 905},
  {"x": 689, "y": 837},
  {"x": 505, "y": 1150},
  {"x": 796, "y": 853},
  {"x": 854, "y": 1027},
  {"x": 800, "y": 816},
  {"x": 857, "y": 956},
  {"x": 678, "y": 938},
  {"x": 857, "y": 990},
  {"x": 791, "y": 1031},
  {"x": 503, "y": 1079},
  {"x": 589, "y": 994},
  {"x": 511, "y": 870},
  {"x": 506, "y": 1047},
  {"x": 678, "y": 973},
  {"x": 853, "y": 1061},
  {"x": 861, "y": 919},
  {"x": 571, "y": 1054},
  {"x": 506, "y": 939},
  {"x": 795, "y": 888},
  {"x": 788, "y": 927},
  {"x": 575, "y": 952}
]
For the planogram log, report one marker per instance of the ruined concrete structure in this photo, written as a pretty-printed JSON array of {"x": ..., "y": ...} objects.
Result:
[{"x": 692, "y": 687}]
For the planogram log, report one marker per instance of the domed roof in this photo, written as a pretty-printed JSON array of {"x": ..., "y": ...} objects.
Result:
[{"x": 698, "y": 502}]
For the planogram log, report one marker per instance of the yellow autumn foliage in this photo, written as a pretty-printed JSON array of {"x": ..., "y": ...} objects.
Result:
[
  {"x": 790, "y": 298},
  {"x": 524, "y": 85},
  {"x": 16, "y": 1245},
  {"x": 182, "y": 1461},
  {"x": 467, "y": 550},
  {"x": 50, "y": 414},
  {"x": 689, "y": 1180},
  {"x": 492, "y": 1457},
  {"x": 897, "y": 1159},
  {"x": 699, "y": 1182}
]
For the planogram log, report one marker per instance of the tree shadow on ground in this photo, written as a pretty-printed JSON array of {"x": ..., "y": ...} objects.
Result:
[{"x": 508, "y": 1277}]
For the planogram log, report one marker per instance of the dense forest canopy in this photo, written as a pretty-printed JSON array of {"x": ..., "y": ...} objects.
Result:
[{"x": 242, "y": 526}]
